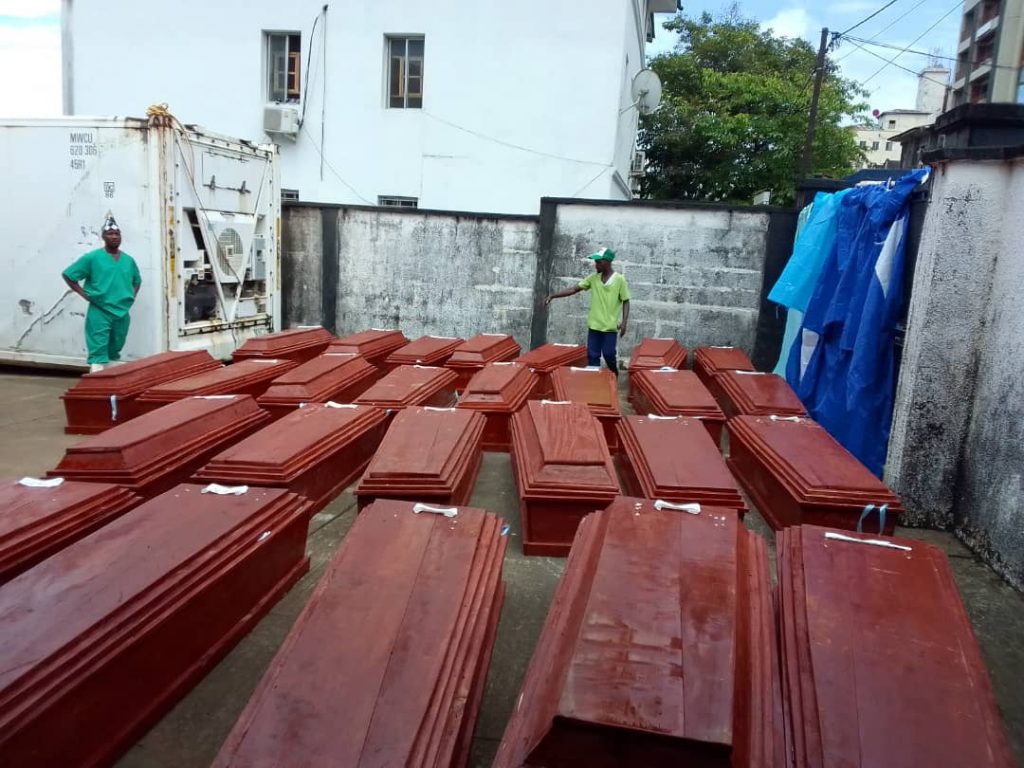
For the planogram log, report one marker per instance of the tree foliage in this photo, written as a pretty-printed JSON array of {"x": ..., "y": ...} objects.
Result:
[{"x": 734, "y": 113}]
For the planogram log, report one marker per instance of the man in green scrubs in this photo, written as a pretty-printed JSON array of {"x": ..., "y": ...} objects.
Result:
[
  {"x": 112, "y": 281},
  {"x": 609, "y": 295}
]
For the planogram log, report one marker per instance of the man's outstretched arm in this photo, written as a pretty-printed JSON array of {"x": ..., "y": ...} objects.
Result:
[{"x": 562, "y": 294}]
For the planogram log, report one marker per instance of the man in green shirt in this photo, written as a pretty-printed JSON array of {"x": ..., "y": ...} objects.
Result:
[
  {"x": 608, "y": 294},
  {"x": 112, "y": 281}
]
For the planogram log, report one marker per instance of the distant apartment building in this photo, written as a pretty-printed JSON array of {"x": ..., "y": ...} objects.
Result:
[
  {"x": 877, "y": 140},
  {"x": 990, "y": 55}
]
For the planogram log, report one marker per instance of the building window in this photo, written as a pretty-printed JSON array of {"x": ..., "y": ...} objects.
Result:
[
  {"x": 405, "y": 72},
  {"x": 863, "y": 145},
  {"x": 395, "y": 201},
  {"x": 874, "y": 145},
  {"x": 888, "y": 146},
  {"x": 892, "y": 124},
  {"x": 290, "y": 194},
  {"x": 284, "y": 66}
]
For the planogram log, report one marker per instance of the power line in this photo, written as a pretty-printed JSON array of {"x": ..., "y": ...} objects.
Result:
[
  {"x": 867, "y": 18},
  {"x": 340, "y": 178},
  {"x": 885, "y": 29},
  {"x": 922, "y": 53},
  {"x": 898, "y": 66},
  {"x": 915, "y": 40}
]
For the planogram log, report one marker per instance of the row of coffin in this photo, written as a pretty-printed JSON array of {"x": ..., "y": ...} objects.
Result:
[{"x": 665, "y": 644}]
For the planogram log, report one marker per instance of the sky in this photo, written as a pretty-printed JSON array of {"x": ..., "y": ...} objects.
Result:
[{"x": 30, "y": 44}]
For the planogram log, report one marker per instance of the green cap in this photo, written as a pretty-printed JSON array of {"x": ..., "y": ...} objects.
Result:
[{"x": 605, "y": 253}]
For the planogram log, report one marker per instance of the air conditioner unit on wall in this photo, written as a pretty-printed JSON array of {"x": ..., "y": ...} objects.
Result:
[{"x": 281, "y": 120}]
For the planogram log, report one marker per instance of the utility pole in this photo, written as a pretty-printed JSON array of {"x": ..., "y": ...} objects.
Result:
[{"x": 812, "y": 119}]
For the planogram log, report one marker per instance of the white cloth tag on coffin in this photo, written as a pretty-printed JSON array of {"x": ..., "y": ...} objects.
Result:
[
  {"x": 384, "y": 330},
  {"x": 656, "y": 417},
  {"x": 332, "y": 404},
  {"x": 226, "y": 490},
  {"x": 304, "y": 327},
  {"x": 427, "y": 367},
  {"x": 663, "y": 338},
  {"x": 556, "y": 402},
  {"x": 749, "y": 373},
  {"x": 692, "y": 509},
  {"x": 339, "y": 354},
  {"x": 435, "y": 408},
  {"x": 113, "y": 407},
  {"x": 795, "y": 419},
  {"x": 444, "y": 338},
  {"x": 214, "y": 397},
  {"x": 664, "y": 369},
  {"x": 494, "y": 334},
  {"x": 590, "y": 368},
  {"x": 36, "y": 482},
  {"x": 561, "y": 344},
  {"x": 262, "y": 360},
  {"x": 445, "y": 511},
  {"x": 505, "y": 362},
  {"x": 716, "y": 346},
  {"x": 873, "y": 542}
]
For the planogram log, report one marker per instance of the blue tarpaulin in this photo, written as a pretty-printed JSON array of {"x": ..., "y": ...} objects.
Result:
[{"x": 842, "y": 361}]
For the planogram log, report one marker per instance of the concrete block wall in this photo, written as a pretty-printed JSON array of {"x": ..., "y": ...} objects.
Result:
[
  {"x": 956, "y": 454},
  {"x": 695, "y": 273}
]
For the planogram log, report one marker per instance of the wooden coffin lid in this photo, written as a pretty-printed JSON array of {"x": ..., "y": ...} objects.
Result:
[
  {"x": 370, "y": 344},
  {"x": 422, "y": 442},
  {"x": 657, "y": 353},
  {"x": 161, "y": 434},
  {"x": 406, "y": 592},
  {"x": 283, "y": 342},
  {"x": 714, "y": 359},
  {"x": 676, "y": 452},
  {"x": 408, "y": 384},
  {"x": 547, "y": 357},
  {"x": 139, "y": 375},
  {"x": 754, "y": 392},
  {"x": 484, "y": 348},
  {"x": 222, "y": 380},
  {"x": 595, "y": 387},
  {"x": 426, "y": 350},
  {"x": 319, "y": 377},
  {"x": 568, "y": 434},
  {"x": 898, "y": 678},
  {"x": 677, "y": 390}
]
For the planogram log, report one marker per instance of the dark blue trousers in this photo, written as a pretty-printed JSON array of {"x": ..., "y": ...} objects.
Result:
[{"x": 602, "y": 344}]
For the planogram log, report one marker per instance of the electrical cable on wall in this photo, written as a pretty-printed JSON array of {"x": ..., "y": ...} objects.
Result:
[{"x": 331, "y": 168}]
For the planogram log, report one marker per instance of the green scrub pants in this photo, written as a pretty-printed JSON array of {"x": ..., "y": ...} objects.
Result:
[{"x": 105, "y": 334}]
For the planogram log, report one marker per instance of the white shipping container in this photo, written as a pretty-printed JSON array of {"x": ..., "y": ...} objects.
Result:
[{"x": 199, "y": 213}]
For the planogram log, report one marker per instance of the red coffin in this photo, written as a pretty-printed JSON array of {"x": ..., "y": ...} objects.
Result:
[
  {"x": 426, "y": 350},
  {"x": 563, "y": 471},
  {"x": 158, "y": 450},
  {"x": 250, "y": 377},
  {"x": 546, "y": 358},
  {"x": 498, "y": 391},
  {"x": 472, "y": 355},
  {"x": 707, "y": 361},
  {"x": 331, "y": 376},
  {"x": 797, "y": 473},
  {"x": 298, "y": 344},
  {"x": 667, "y": 392},
  {"x": 657, "y": 353},
  {"x": 596, "y": 388},
  {"x": 412, "y": 385},
  {"x": 36, "y": 522},
  {"x": 674, "y": 458},
  {"x": 101, "y": 639},
  {"x": 659, "y": 649},
  {"x": 386, "y": 665},
  {"x": 104, "y": 399},
  {"x": 316, "y": 451},
  {"x": 373, "y": 345},
  {"x": 880, "y": 664},
  {"x": 428, "y": 454},
  {"x": 753, "y": 393}
]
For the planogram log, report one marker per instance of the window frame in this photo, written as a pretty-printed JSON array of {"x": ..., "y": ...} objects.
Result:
[
  {"x": 874, "y": 146},
  {"x": 397, "y": 201},
  {"x": 292, "y": 67},
  {"x": 405, "y": 95}
]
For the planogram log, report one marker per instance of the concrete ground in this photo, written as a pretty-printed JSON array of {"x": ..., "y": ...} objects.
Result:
[{"x": 32, "y": 441}]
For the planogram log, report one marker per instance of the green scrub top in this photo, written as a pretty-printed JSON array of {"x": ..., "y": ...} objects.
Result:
[
  {"x": 605, "y": 300},
  {"x": 109, "y": 283}
]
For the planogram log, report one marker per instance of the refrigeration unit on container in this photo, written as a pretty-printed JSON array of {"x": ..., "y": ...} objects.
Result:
[{"x": 199, "y": 212}]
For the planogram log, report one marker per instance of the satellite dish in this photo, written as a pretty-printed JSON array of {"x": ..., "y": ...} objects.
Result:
[{"x": 646, "y": 91}]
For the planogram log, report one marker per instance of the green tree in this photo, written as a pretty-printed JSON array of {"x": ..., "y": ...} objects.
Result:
[{"x": 734, "y": 113}]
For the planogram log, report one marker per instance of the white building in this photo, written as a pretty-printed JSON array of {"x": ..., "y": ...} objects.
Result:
[
  {"x": 449, "y": 104},
  {"x": 876, "y": 140}
]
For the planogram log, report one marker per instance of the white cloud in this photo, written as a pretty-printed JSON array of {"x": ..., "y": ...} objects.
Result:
[
  {"x": 789, "y": 22},
  {"x": 29, "y": 9},
  {"x": 853, "y": 6},
  {"x": 33, "y": 53}
]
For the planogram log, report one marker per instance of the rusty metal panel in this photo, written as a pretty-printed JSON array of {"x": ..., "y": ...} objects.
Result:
[{"x": 106, "y": 635}]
